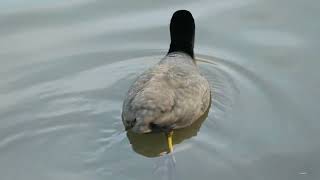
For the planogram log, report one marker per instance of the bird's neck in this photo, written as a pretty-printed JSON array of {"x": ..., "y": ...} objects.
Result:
[{"x": 183, "y": 47}]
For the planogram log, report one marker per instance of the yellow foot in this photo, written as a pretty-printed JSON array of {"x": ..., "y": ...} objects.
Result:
[{"x": 169, "y": 139}]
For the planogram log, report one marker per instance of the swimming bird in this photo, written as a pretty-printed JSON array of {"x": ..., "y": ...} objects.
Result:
[{"x": 172, "y": 94}]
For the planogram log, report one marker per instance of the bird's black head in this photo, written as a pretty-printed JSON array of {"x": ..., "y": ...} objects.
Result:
[{"x": 182, "y": 30}]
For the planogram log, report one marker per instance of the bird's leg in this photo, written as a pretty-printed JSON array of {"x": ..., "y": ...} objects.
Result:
[{"x": 169, "y": 140}]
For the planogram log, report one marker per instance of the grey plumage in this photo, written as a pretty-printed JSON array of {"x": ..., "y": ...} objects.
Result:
[{"x": 171, "y": 95}]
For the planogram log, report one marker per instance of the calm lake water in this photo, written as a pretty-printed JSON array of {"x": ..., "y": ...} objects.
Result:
[{"x": 66, "y": 66}]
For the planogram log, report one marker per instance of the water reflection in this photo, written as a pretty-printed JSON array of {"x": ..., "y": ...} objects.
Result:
[{"x": 155, "y": 144}]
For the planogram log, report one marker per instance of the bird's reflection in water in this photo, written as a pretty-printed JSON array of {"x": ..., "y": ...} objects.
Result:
[{"x": 155, "y": 144}]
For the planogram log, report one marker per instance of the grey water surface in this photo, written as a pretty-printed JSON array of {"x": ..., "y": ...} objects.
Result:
[{"x": 65, "y": 67}]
